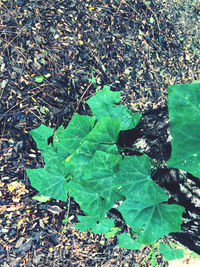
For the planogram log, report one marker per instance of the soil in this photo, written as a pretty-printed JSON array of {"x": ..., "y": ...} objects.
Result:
[{"x": 139, "y": 47}]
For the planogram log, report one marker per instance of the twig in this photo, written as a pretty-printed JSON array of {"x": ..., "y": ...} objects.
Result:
[
  {"x": 2, "y": 135},
  {"x": 83, "y": 95},
  {"x": 118, "y": 7},
  {"x": 148, "y": 7},
  {"x": 41, "y": 119},
  {"x": 27, "y": 60},
  {"x": 1, "y": 3},
  {"x": 19, "y": 103},
  {"x": 67, "y": 217}
]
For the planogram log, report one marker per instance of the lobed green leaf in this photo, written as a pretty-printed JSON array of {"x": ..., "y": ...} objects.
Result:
[
  {"x": 89, "y": 201},
  {"x": 103, "y": 104},
  {"x": 49, "y": 181},
  {"x": 106, "y": 130},
  {"x": 41, "y": 135},
  {"x": 184, "y": 114},
  {"x": 105, "y": 96},
  {"x": 127, "y": 242},
  {"x": 151, "y": 221},
  {"x": 100, "y": 176},
  {"x": 134, "y": 181},
  {"x": 128, "y": 121},
  {"x": 97, "y": 227},
  {"x": 69, "y": 139},
  {"x": 170, "y": 253}
]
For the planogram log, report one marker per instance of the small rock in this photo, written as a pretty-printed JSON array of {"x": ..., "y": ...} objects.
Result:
[
  {"x": 13, "y": 75},
  {"x": 4, "y": 83},
  {"x": 1, "y": 60},
  {"x": 3, "y": 66}
]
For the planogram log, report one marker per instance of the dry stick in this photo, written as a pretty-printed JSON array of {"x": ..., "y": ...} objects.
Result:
[
  {"x": 9, "y": 42},
  {"x": 133, "y": 9},
  {"x": 148, "y": 7},
  {"x": 47, "y": 82},
  {"x": 1, "y": 3},
  {"x": 49, "y": 59},
  {"x": 2, "y": 135},
  {"x": 83, "y": 95},
  {"x": 20, "y": 102},
  {"x": 118, "y": 7},
  {"x": 26, "y": 60},
  {"x": 33, "y": 88},
  {"x": 41, "y": 119}
]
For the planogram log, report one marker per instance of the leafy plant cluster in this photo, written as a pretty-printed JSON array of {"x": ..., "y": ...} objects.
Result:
[{"x": 85, "y": 163}]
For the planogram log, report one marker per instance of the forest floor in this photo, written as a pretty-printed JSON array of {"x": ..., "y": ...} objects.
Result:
[{"x": 140, "y": 47}]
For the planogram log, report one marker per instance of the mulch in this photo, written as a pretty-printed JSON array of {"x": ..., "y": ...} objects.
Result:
[{"x": 139, "y": 47}]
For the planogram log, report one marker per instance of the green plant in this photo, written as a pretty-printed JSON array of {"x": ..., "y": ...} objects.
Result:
[
  {"x": 169, "y": 250},
  {"x": 67, "y": 217},
  {"x": 39, "y": 79},
  {"x": 184, "y": 116},
  {"x": 152, "y": 254},
  {"x": 85, "y": 162}
]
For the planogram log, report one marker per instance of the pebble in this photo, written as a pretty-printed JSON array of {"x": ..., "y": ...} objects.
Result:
[
  {"x": 56, "y": 36},
  {"x": 36, "y": 64},
  {"x": 3, "y": 66},
  {"x": 5, "y": 230},
  {"x": 13, "y": 75},
  {"x": 32, "y": 155},
  {"x": 4, "y": 83},
  {"x": 1, "y": 60}
]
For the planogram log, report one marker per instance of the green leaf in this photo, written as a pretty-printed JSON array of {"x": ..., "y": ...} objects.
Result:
[
  {"x": 112, "y": 231},
  {"x": 50, "y": 156},
  {"x": 89, "y": 201},
  {"x": 86, "y": 223},
  {"x": 42, "y": 110},
  {"x": 92, "y": 80},
  {"x": 170, "y": 253},
  {"x": 39, "y": 79},
  {"x": 184, "y": 115},
  {"x": 127, "y": 242},
  {"x": 105, "y": 96},
  {"x": 103, "y": 226},
  {"x": 68, "y": 140},
  {"x": 100, "y": 176},
  {"x": 148, "y": 3},
  {"x": 78, "y": 161},
  {"x": 151, "y": 221},
  {"x": 49, "y": 181},
  {"x": 96, "y": 227},
  {"x": 41, "y": 198},
  {"x": 106, "y": 130},
  {"x": 134, "y": 180},
  {"x": 41, "y": 135},
  {"x": 152, "y": 20},
  {"x": 128, "y": 121}
]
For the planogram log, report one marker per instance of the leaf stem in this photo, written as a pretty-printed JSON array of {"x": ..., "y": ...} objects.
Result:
[
  {"x": 107, "y": 143},
  {"x": 67, "y": 216}
]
